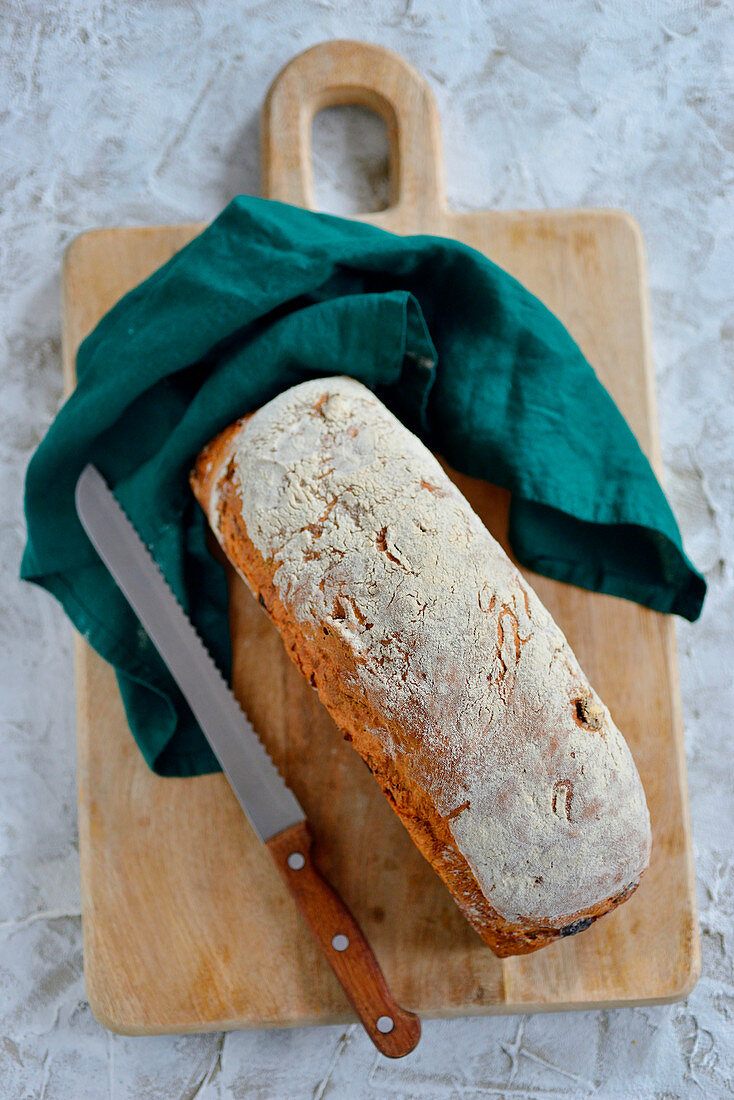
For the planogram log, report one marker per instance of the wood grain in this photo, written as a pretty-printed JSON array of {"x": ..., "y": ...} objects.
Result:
[{"x": 187, "y": 925}]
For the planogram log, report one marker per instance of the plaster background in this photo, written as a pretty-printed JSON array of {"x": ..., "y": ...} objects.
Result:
[{"x": 139, "y": 113}]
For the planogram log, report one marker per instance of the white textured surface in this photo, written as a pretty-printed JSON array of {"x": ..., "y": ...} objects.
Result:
[{"x": 147, "y": 112}]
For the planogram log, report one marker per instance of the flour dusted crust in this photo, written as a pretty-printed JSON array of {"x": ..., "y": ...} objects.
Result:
[{"x": 434, "y": 657}]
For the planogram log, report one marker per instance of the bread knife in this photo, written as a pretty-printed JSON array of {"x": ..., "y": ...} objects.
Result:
[{"x": 269, "y": 804}]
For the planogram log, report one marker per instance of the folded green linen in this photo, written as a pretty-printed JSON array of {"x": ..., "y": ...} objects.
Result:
[{"x": 269, "y": 295}]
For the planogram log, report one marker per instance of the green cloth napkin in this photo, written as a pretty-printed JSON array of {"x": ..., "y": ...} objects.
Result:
[{"x": 268, "y": 296}]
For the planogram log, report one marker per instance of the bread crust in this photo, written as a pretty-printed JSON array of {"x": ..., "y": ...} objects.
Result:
[{"x": 330, "y": 662}]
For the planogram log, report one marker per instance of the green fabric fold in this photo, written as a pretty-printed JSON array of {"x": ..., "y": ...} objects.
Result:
[{"x": 270, "y": 295}]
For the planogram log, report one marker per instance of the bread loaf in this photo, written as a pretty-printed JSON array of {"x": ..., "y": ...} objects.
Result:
[{"x": 434, "y": 657}]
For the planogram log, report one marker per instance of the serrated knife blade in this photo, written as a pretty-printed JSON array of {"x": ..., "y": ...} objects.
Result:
[
  {"x": 271, "y": 807},
  {"x": 268, "y": 803}
]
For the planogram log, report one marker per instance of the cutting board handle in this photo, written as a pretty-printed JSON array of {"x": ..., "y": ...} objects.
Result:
[{"x": 346, "y": 72}]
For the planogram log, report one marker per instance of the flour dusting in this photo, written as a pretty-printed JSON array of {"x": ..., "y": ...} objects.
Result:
[{"x": 372, "y": 541}]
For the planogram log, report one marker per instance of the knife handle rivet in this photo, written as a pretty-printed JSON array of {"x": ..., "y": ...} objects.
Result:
[
  {"x": 385, "y": 1024},
  {"x": 296, "y": 861},
  {"x": 340, "y": 942}
]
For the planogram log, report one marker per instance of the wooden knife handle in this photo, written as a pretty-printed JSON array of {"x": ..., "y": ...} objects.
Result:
[{"x": 393, "y": 1030}]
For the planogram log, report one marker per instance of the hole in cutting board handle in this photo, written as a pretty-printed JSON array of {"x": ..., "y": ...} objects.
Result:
[{"x": 351, "y": 160}]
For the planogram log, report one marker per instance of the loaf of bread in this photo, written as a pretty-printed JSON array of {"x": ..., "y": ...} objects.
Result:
[{"x": 434, "y": 657}]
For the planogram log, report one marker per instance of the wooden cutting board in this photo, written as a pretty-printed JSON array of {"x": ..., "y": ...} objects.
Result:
[{"x": 187, "y": 926}]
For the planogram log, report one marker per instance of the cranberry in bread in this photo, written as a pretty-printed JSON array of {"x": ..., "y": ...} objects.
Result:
[{"x": 434, "y": 657}]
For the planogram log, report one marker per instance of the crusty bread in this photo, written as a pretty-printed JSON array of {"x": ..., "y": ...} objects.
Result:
[{"x": 435, "y": 659}]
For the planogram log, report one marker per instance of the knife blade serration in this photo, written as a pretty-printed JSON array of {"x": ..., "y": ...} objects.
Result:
[{"x": 260, "y": 789}]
